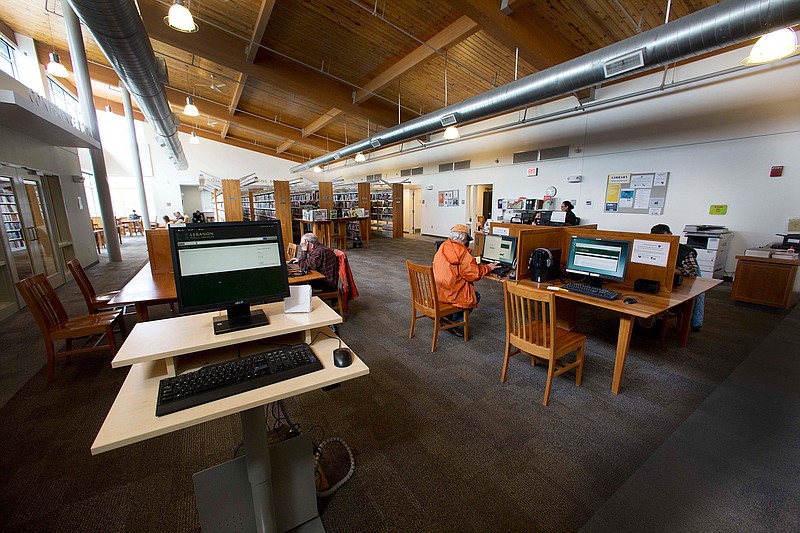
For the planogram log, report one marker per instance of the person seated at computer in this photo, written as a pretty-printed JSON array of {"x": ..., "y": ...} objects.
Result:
[
  {"x": 686, "y": 266},
  {"x": 570, "y": 218},
  {"x": 178, "y": 218},
  {"x": 456, "y": 272},
  {"x": 537, "y": 219},
  {"x": 198, "y": 216},
  {"x": 167, "y": 220},
  {"x": 314, "y": 255},
  {"x": 134, "y": 215}
]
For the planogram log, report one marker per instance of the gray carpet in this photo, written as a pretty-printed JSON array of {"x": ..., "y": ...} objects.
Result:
[{"x": 440, "y": 443}]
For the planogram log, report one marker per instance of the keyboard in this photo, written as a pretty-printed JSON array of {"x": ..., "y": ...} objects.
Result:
[
  {"x": 221, "y": 380},
  {"x": 588, "y": 290}
]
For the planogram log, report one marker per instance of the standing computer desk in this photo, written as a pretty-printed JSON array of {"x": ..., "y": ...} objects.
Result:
[
  {"x": 646, "y": 306},
  {"x": 190, "y": 344}
]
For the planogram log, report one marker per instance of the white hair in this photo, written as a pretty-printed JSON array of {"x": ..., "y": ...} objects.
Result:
[{"x": 310, "y": 238}]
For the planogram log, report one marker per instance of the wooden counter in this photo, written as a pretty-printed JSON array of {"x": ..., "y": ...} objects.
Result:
[{"x": 764, "y": 280}]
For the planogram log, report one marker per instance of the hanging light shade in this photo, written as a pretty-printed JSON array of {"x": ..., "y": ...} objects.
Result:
[
  {"x": 773, "y": 46},
  {"x": 194, "y": 139},
  {"x": 180, "y": 18},
  {"x": 55, "y": 67},
  {"x": 360, "y": 157},
  {"x": 451, "y": 133},
  {"x": 317, "y": 169},
  {"x": 190, "y": 110},
  {"x": 108, "y": 108}
]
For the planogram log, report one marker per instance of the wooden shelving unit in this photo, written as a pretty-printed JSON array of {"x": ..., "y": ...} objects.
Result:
[{"x": 387, "y": 211}]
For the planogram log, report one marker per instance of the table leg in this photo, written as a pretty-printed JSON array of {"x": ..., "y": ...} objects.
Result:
[
  {"x": 142, "y": 315},
  {"x": 623, "y": 342},
  {"x": 566, "y": 313},
  {"x": 685, "y": 322},
  {"x": 259, "y": 468}
]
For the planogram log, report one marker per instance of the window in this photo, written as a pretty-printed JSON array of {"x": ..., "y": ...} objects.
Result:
[
  {"x": 7, "y": 63},
  {"x": 64, "y": 99}
]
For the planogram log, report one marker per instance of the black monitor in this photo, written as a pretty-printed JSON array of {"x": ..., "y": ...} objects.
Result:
[
  {"x": 598, "y": 258},
  {"x": 501, "y": 248},
  {"x": 229, "y": 265}
]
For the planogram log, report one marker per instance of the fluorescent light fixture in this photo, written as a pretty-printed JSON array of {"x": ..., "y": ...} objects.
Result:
[
  {"x": 180, "y": 18},
  {"x": 248, "y": 181},
  {"x": 451, "y": 133},
  {"x": 772, "y": 47},
  {"x": 190, "y": 110},
  {"x": 296, "y": 181},
  {"x": 55, "y": 67},
  {"x": 194, "y": 139},
  {"x": 360, "y": 157},
  {"x": 317, "y": 169}
]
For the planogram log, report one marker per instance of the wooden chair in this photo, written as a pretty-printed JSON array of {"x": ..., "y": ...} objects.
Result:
[
  {"x": 291, "y": 251},
  {"x": 55, "y": 325},
  {"x": 531, "y": 328},
  {"x": 425, "y": 301},
  {"x": 335, "y": 297},
  {"x": 94, "y": 302}
]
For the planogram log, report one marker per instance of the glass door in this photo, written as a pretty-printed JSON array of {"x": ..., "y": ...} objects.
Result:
[{"x": 28, "y": 241}]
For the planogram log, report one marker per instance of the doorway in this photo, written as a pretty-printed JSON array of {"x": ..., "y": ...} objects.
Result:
[
  {"x": 28, "y": 239},
  {"x": 480, "y": 204},
  {"x": 412, "y": 204}
]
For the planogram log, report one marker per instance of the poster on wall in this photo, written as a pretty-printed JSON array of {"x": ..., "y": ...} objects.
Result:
[
  {"x": 448, "y": 198},
  {"x": 637, "y": 192}
]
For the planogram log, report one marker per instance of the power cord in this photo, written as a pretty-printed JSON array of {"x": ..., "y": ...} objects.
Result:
[{"x": 318, "y": 456}]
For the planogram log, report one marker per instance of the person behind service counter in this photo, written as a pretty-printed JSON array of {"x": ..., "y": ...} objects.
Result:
[{"x": 570, "y": 219}]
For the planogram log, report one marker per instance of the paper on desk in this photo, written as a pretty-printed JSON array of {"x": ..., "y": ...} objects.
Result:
[{"x": 650, "y": 252}]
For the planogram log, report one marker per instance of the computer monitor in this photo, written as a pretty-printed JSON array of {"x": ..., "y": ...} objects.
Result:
[
  {"x": 558, "y": 216},
  {"x": 229, "y": 265},
  {"x": 502, "y": 248},
  {"x": 598, "y": 258}
]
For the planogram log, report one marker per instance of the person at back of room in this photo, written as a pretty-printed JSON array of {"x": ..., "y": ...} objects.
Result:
[
  {"x": 456, "y": 272},
  {"x": 313, "y": 255},
  {"x": 686, "y": 266},
  {"x": 571, "y": 219}
]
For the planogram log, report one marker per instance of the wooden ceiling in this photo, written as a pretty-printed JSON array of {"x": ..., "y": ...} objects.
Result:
[{"x": 300, "y": 78}]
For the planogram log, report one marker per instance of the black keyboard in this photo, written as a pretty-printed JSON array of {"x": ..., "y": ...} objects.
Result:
[
  {"x": 221, "y": 380},
  {"x": 588, "y": 290}
]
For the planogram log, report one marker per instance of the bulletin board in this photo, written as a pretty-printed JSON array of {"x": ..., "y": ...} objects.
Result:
[
  {"x": 448, "y": 198},
  {"x": 642, "y": 193}
]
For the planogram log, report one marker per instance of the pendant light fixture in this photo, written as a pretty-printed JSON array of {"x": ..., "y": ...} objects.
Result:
[
  {"x": 317, "y": 169},
  {"x": 54, "y": 67},
  {"x": 360, "y": 157},
  {"x": 180, "y": 18},
  {"x": 451, "y": 132},
  {"x": 194, "y": 139},
  {"x": 773, "y": 46},
  {"x": 190, "y": 110}
]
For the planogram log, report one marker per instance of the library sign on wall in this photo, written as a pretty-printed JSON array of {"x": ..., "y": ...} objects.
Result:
[{"x": 643, "y": 193}]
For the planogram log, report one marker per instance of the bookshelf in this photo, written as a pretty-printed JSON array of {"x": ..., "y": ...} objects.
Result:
[
  {"x": 11, "y": 220},
  {"x": 387, "y": 211}
]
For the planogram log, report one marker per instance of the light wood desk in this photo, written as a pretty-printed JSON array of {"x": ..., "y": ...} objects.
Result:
[
  {"x": 146, "y": 289},
  {"x": 132, "y": 416},
  {"x": 646, "y": 306}
]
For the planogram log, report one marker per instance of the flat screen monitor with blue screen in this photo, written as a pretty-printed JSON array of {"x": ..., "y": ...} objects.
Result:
[
  {"x": 501, "y": 248},
  {"x": 229, "y": 265},
  {"x": 598, "y": 258}
]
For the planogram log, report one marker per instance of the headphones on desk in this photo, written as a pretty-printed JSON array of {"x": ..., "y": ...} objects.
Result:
[{"x": 548, "y": 262}]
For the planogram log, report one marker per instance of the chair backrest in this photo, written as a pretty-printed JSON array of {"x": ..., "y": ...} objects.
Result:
[
  {"x": 530, "y": 318},
  {"x": 43, "y": 302},
  {"x": 83, "y": 282},
  {"x": 423, "y": 287},
  {"x": 291, "y": 251}
]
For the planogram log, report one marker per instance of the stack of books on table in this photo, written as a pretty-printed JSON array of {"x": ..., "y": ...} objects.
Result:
[{"x": 785, "y": 254}]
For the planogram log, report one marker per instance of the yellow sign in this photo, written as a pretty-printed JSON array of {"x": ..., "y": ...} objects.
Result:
[{"x": 718, "y": 210}]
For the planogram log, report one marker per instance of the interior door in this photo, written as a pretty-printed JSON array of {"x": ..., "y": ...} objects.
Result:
[{"x": 27, "y": 235}]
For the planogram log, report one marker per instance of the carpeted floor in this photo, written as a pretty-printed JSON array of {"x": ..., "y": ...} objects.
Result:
[{"x": 440, "y": 443}]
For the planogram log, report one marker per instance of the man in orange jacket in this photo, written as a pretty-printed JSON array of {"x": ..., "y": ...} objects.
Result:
[{"x": 456, "y": 271}]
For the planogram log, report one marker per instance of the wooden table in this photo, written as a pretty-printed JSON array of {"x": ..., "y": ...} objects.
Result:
[
  {"x": 646, "y": 306},
  {"x": 765, "y": 280},
  {"x": 146, "y": 289},
  {"x": 189, "y": 341}
]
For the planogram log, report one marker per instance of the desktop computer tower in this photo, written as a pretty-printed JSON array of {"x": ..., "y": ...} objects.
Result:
[{"x": 545, "y": 264}]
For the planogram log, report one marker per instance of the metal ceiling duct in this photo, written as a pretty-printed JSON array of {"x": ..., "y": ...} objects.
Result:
[
  {"x": 119, "y": 31},
  {"x": 719, "y": 26}
]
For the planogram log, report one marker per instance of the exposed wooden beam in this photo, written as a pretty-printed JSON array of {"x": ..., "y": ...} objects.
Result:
[
  {"x": 220, "y": 47},
  {"x": 212, "y": 109},
  {"x": 539, "y": 44},
  {"x": 258, "y": 31},
  {"x": 237, "y": 94},
  {"x": 8, "y": 33},
  {"x": 509, "y": 6},
  {"x": 225, "y": 129},
  {"x": 321, "y": 122},
  {"x": 285, "y": 146},
  {"x": 454, "y": 33}
]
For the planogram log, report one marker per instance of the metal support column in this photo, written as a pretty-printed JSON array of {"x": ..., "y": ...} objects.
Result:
[
  {"x": 80, "y": 67},
  {"x": 137, "y": 163}
]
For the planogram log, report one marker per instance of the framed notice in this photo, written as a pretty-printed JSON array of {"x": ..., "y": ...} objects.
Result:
[
  {"x": 448, "y": 198},
  {"x": 636, "y": 192}
]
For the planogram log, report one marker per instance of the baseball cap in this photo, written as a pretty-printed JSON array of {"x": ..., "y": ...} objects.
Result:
[{"x": 462, "y": 229}]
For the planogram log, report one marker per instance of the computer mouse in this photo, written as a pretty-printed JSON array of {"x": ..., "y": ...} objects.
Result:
[
  {"x": 629, "y": 301},
  {"x": 342, "y": 357}
]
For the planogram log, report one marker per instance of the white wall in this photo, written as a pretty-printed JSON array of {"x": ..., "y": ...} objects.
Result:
[{"x": 717, "y": 139}]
